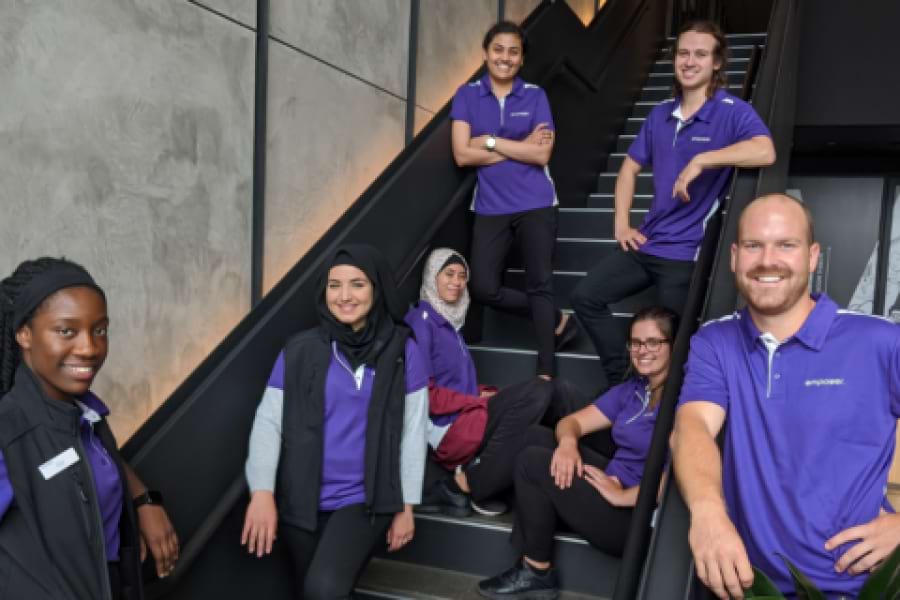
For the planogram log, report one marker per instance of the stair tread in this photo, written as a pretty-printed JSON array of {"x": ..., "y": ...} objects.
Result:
[{"x": 396, "y": 579}]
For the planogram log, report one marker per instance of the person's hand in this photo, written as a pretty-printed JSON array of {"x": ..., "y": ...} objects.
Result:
[
  {"x": 609, "y": 486},
  {"x": 158, "y": 535},
  {"x": 875, "y": 540},
  {"x": 402, "y": 529},
  {"x": 629, "y": 238},
  {"x": 487, "y": 393},
  {"x": 687, "y": 175},
  {"x": 565, "y": 464},
  {"x": 260, "y": 523},
  {"x": 719, "y": 554},
  {"x": 541, "y": 135}
]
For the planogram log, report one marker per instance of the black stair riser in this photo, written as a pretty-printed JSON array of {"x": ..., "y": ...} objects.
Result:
[
  {"x": 487, "y": 551},
  {"x": 607, "y": 200},
  {"x": 504, "y": 330},
  {"x": 588, "y": 224},
  {"x": 563, "y": 284},
  {"x": 606, "y": 183},
  {"x": 577, "y": 255}
]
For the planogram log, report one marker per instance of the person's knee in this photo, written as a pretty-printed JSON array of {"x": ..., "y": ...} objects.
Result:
[
  {"x": 584, "y": 299},
  {"x": 325, "y": 584}
]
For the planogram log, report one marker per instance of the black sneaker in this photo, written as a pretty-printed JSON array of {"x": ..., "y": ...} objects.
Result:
[
  {"x": 489, "y": 507},
  {"x": 451, "y": 502},
  {"x": 521, "y": 582}
]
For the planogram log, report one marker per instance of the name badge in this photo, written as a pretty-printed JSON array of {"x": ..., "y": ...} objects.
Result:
[{"x": 59, "y": 463}]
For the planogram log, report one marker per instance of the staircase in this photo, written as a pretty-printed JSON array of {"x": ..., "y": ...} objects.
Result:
[{"x": 449, "y": 555}]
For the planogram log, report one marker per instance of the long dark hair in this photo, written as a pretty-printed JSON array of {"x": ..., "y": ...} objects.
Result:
[
  {"x": 10, "y": 288},
  {"x": 720, "y": 53}
]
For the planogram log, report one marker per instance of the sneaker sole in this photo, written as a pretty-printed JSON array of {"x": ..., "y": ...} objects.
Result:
[
  {"x": 488, "y": 513},
  {"x": 541, "y": 595}
]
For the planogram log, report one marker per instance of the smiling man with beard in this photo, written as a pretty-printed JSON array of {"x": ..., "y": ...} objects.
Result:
[{"x": 811, "y": 393}]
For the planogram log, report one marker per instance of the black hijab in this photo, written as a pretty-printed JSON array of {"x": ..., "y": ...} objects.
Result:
[{"x": 363, "y": 346}]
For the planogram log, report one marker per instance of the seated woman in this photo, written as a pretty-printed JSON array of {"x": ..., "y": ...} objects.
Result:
[
  {"x": 68, "y": 526},
  {"x": 562, "y": 478},
  {"x": 330, "y": 439},
  {"x": 473, "y": 429}
]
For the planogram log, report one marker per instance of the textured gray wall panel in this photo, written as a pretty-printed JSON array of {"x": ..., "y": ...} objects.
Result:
[
  {"x": 368, "y": 38},
  {"x": 329, "y": 136},
  {"x": 449, "y": 47},
  {"x": 125, "y": 144},
  {"x": 242, "y": 11}
]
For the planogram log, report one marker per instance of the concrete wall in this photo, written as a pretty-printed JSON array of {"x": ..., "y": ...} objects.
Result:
[
  {"x": 126, "y": 136},
  {"x": 125, "y": 144}
]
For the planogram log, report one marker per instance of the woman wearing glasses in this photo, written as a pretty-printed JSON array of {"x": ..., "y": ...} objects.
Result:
[{"x": 558, "y": 477}]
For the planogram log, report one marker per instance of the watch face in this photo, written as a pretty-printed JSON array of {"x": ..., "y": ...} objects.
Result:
[{"x": 491, "y": 142}]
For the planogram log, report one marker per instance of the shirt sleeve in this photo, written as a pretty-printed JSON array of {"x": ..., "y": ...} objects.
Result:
[
  {"x": 704, "y": 378},
  {"x": 261, "y": 468},
  {"x": 414, "y": 445},
  {"x": 459, "y": 110},
  {"x": 747, "y": 124},
  {"x": 416, "y": 373},
  {"x": 417, "y": 319},
  {"x": 542, "y": 112},
  {"x": 610, "y": 403},
  {"x": 6, "y": 491},
  {"x": 641, "y": 149}
]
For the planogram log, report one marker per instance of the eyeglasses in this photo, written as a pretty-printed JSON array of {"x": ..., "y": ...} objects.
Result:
[{"x": 650, "y": 344}]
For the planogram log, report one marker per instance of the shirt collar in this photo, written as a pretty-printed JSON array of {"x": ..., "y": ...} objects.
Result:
[
  {"x": 811, "y": 334},
  {"x": 705, "y": 112},
  {"x": 92, "y": 407},
  {"x": 485, "y": 88}
]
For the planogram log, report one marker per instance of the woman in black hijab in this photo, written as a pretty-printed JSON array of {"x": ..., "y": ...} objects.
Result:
[{"x": 331, "y": 441}]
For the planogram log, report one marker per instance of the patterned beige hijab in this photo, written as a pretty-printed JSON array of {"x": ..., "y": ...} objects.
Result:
[{"x": 455, "y": 313}]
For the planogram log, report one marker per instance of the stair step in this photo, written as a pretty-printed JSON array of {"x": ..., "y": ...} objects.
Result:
[
  {"x": 743, "y": 51},
  {"x": 565, "y": 281},
  {"x": 606, "y": 182},
  {"x": 657, "y": 93},
  {"x": 607, "y": 200},
  {"x": 624, "y": 141},
  {"x": 734, "y": 64},
  {"x": 396, "y": 580},
  {"x": 633, "y": 125},
  {"x": 505, "y": 330},
  {"x": 592, "y": 222}
]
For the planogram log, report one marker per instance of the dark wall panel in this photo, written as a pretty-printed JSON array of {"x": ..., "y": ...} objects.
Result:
[{"x": 849, "y": 74}]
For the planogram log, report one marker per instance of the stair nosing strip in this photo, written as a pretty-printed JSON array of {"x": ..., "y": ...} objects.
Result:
[{"x": 494, "y": 527}]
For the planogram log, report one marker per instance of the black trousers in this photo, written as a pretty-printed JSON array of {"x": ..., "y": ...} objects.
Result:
[
  {"x": 510, "y": 413},
  {"x": 618, "y": 276},
  {"x": 539, "y": 503},
  {"x": 534, "y": 231},
  {"x": 327, "y": 562}
]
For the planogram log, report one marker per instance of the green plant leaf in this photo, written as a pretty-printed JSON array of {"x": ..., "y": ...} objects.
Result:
[
  {"x": 762, "y": 587},
  {"x": 883, "y": 582},
  {"x": 803, "y": 586}
]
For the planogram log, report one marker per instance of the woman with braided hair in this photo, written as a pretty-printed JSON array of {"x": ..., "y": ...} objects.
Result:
[{"x": 67, "y": 527}]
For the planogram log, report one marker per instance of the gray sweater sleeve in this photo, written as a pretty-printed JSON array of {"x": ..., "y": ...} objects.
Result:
[
  {"x": 265, "y": 442},
  {"x": 413, "y": 445}
]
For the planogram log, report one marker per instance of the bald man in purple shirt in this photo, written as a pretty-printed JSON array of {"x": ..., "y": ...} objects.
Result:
[
  {"x": 812, "y": 395},
  {"x": 691, "y": 142}
]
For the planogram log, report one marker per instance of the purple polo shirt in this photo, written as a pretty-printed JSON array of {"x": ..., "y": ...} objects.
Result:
[
  {"x": 107, "y": 483},
  {"x": 445, "y": 356},
  {"x": 347, "y": 396},
  {"x": 510, "y": 186},
  {"x": 675, "y": 228},
  {"x": 626, "y": 405},
  {"x": 810, "y": 432}
]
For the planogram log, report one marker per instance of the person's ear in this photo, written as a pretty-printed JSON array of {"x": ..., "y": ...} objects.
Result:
[{"x": 23, "y": 337}]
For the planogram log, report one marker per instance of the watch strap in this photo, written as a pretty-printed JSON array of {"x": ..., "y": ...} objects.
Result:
[{"x": 148, "y": 497}]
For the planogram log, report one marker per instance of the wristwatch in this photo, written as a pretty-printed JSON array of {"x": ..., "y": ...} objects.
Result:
[
  {"x": 490, "y": 143},
  {"x": 148, "y": 497}
]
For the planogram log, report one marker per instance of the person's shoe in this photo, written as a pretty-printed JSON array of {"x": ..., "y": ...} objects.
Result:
[
  {"x": 489, "y": 507},
  {"x": 567, "y": 335},
  {"x": 521, "y": 582},
  {"x": 451, "y": 502}
]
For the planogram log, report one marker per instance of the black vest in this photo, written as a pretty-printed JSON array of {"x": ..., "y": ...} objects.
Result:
[
  {"x": 52, "y": 545},
  {"x": 307, "y": 357}
]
